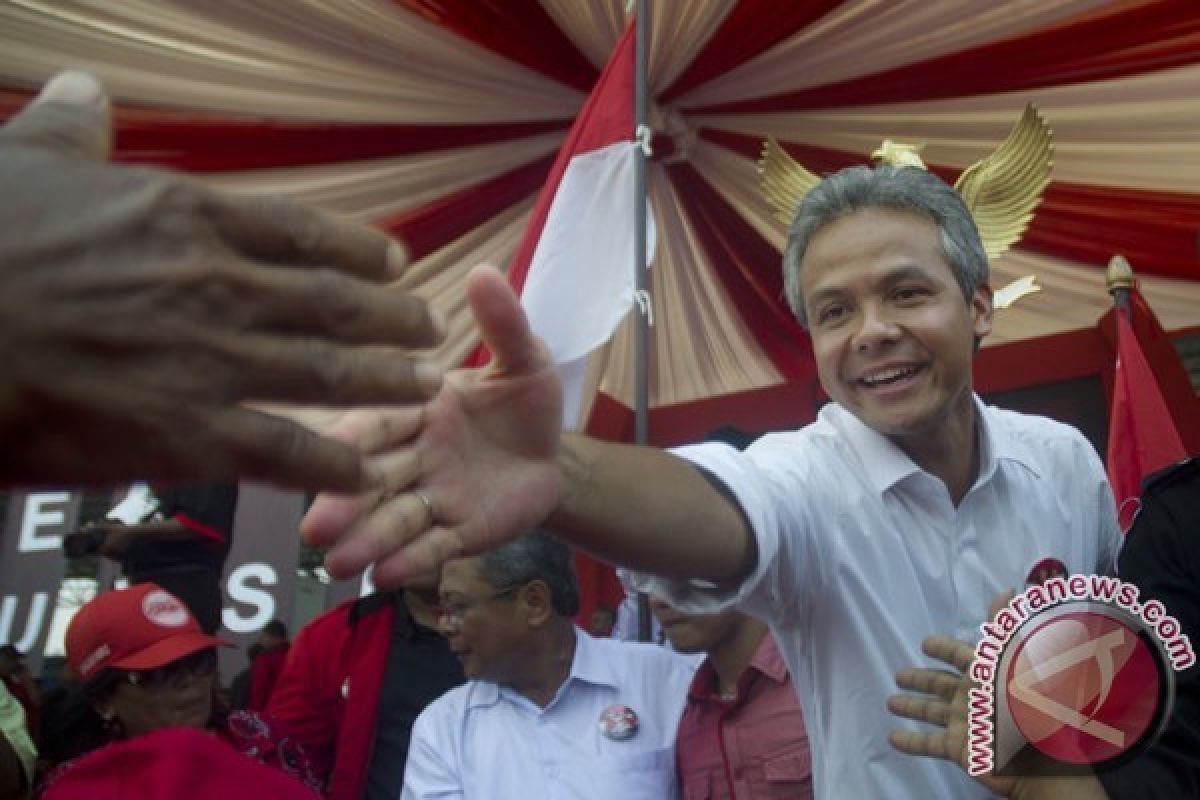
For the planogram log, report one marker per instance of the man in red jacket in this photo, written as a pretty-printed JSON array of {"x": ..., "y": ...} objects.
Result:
[{"x": 354, "y": 682}]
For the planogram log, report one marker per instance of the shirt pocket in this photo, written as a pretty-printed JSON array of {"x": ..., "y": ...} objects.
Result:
[
  {"x": 791, "y": 767},
  {"x": 648, "y": 774}
]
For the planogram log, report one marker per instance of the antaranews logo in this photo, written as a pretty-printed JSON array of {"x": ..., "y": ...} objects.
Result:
[{"x": 1073, "y": 672}]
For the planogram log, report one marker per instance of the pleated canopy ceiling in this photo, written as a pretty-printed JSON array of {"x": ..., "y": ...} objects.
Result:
[{"x": 438, "y": 120}]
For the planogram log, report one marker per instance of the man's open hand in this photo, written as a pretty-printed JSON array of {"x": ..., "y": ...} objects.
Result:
[
  {"x": 474, "y": 468},
  {"x": 940, "y": 697},
  {"x": 142, "y": 311}
]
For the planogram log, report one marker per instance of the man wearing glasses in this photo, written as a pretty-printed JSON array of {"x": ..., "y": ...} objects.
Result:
[{"x": 547, "y": 709}]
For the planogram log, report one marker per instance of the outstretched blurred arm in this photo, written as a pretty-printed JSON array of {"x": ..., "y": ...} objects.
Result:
[{"x": 142, "y": 311}]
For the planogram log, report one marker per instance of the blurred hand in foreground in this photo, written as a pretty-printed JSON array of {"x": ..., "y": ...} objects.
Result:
[{"x": 141, "y": 312}]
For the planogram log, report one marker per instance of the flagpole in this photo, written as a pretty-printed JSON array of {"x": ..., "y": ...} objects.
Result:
[
  {"x": 641, "y": 390},
  {"x": 641, "y": 385},
  {"x": 1119, "y": 279}
]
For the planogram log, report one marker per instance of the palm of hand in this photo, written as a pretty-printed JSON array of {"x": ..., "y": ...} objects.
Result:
[
  {"x": 941, "y": 698},
  {"x": 471, "y": 469},
  {"x": 492, "y": 443}
]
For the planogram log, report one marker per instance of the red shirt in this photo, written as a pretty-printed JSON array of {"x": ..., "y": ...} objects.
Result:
[
  {"x": 244, "y": 758},
  {"x": 752, "y": 747}
]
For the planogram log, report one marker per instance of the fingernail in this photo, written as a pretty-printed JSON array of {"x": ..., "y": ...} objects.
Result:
[
  {"x": 397, "y": 259},
  {"x": 74, "y": 87},
  {"x": 337, "y": 568},
  {"x": 349, "y": 557},
  {"x": 429, "y": 377}
]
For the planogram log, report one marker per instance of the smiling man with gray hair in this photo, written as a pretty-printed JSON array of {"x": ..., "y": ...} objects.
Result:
[{"x": 902, "y": 510}]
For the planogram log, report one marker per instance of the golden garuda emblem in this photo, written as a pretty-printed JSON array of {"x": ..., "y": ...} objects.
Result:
[{"x": 1002, "y": 191}]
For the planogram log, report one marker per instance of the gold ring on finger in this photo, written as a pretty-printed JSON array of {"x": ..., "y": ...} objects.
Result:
[{"x": 426, "y": 501}]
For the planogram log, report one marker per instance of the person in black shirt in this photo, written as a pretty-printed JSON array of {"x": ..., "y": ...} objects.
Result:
[
  {"x": 1161, "y": 556},
  {"x": 182, "y": 549},
  {"x": 239, "y": 687}
]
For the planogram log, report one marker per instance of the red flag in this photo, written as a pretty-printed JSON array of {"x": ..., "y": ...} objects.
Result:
[
  {"x": 1141, "y": 437},
  {"x": 574, "y": 265}
]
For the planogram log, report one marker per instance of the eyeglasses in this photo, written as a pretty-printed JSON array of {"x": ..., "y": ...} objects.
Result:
[
  {"x": 197, "y": 665},
  {"x": 451, "y": 612}
]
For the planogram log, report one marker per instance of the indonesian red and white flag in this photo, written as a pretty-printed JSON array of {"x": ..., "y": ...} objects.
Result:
[
  {"x": 574, "y": 267},
  {"x": 1142, "y": 438}
]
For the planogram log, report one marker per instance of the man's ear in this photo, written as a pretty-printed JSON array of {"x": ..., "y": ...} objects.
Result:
[
  {"x": 982, "y": 310},
  {"x": 537, "y": 603}
]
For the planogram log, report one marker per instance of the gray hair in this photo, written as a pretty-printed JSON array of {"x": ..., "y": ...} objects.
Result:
[
  {"x": 534, "y": 555},
  {"x": 899, "y": 188}
]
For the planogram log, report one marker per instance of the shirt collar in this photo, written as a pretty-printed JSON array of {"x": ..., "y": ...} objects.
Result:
[
  {"x": 885, "y": 464},
  {"x": 588, "y": 664},
  {"x": 767, "y": 660},
  {"x": 999, "y": 444},
  {"x": 482, "y": 693},
  {"x": 403, "y": 621},
  {"x": 374, "y": 603}
]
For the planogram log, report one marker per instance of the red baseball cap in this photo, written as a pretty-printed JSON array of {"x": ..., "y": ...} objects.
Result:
[{"x": 141, "y": 627}]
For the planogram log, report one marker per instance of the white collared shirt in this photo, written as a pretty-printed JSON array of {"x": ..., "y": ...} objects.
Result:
[
  {"x": 862, "y": 555},
  {"x": 481, "y": 741}
]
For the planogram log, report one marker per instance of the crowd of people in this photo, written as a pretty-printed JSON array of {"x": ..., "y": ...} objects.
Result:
[{"x": 808, "y": 568}]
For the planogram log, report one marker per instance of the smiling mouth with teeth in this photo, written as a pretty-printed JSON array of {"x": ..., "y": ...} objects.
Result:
[{"x": 888, "y": 376}]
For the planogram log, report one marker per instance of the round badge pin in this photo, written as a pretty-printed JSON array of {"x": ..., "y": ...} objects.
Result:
[
  {"x": 1044, "y": 570},
  {"x": 618, "y": 722}
]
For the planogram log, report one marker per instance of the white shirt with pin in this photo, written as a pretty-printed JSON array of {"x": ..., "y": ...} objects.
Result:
[{"x": 608, "y": 733}]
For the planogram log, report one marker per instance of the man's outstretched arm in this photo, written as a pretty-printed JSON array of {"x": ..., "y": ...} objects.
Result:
[
  {"x": 650, "y": 510},
  {"x": 485, "y": 460}
]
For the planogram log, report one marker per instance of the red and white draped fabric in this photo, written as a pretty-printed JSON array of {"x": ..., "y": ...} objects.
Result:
[{"x": 440, "y": 121}]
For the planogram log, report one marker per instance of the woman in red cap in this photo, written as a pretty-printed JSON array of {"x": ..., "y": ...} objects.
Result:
[{"x": 150, "y": 674}]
